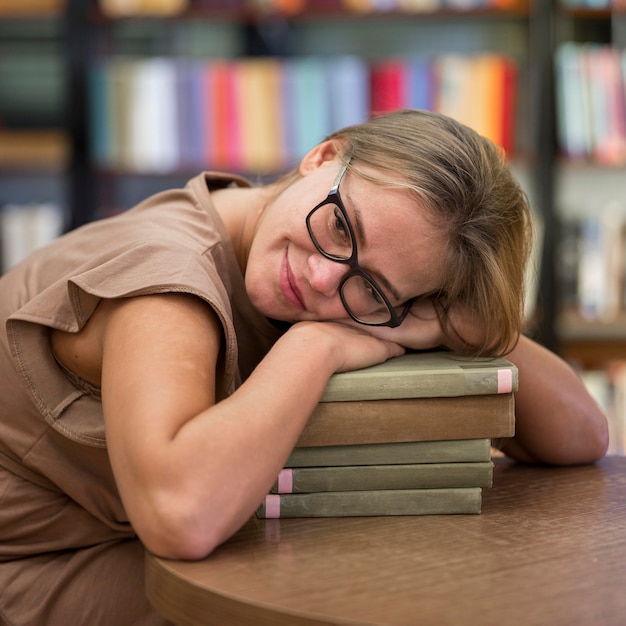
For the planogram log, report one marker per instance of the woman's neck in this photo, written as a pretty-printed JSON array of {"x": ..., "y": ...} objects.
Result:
[{"x": 241, "y": 209}]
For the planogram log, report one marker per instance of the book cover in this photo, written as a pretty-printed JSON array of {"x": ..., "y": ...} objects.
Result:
[
  {"x": 153, "y": 127},
  {"x": 389, "y": 86},
  {"x": 98, "y": 112},
  {"x": 218, "y": 113},
  {"x": 379, "y": 477},
  {"x": 417, "y": 419},
  {"x": 404, "y": 452},
  {"x": 424, "y": 375},
  {"x": 454, "y": 86},
  {"x": 465, "y": 500},
  {"x": 574, "y": 126},
  {"x": 349, "y": 98},
  {"x": 421, "y": 84},
  {"x": 509, "y": 77},
  {"x": 260, "y": 105},
  {"x": 610, "y": 140},
  {"x": 308, "y": 104}
]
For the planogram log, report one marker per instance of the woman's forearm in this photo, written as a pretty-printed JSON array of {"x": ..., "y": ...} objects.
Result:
[{"x": 557, "y": 420}]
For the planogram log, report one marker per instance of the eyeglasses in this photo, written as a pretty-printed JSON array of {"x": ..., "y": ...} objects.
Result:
[{"x": 333, "y": 235}]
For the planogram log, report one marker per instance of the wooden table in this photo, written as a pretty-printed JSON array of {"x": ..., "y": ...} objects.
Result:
[{"x": 548, "y": 549}]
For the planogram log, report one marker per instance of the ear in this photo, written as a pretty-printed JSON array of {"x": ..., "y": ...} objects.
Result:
[{"x": 323, "y": 153}]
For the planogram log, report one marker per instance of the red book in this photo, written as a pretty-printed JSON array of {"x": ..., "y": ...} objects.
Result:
[
  {"x": 389, "y": 86},
  {"x": 509, "y": 105},
  {"x": 220, "y": 112}
]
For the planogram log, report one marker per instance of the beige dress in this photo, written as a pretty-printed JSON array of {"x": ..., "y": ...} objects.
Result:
[{"x": 68, "y": 554}]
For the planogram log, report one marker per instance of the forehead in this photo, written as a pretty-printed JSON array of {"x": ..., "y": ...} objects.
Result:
[{"x": 403, "y": 241}]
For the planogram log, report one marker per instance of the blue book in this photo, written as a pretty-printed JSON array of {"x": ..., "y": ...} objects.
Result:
[
  {"x": 349, "y": 97},
  {"x": 309, "y": 103},
  {"x": 421, "y": 84}
]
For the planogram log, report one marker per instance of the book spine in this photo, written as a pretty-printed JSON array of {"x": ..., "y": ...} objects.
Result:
[
  {"x": 427, "y": 419},
  {"x": 381, "y": 477},
  {"x": 422, "y": 380},
  {"x": 450, "y": 451},
  {"x": 372, "y": 503}
]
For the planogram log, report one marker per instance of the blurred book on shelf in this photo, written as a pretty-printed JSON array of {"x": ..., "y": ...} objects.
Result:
[
  {"x": 591, "y": 102},
  {"x": 261, "y": 115},
  {"x": 127, "y": 8},
  {"x": 591, "y": 266},
  {"x": 25, "y": 228}
]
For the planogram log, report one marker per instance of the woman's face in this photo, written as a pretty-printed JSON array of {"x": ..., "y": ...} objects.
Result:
[{"x": 288, "y": 279}]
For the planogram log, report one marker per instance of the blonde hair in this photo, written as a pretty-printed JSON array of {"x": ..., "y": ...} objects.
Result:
[{"x": 464, "y": 182}]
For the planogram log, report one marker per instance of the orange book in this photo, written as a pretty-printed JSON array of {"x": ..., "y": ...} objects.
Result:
[{"x": 259, "y": 102}]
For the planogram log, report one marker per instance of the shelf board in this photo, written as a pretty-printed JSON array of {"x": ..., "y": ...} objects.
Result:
[
  {"x": 591, "y": 344},
  {"x": 335, "y": 10},
  {"x": 31, "y": 8},
  {"x": 39, "y": 150},
  {"x": 573, "y": 327}
]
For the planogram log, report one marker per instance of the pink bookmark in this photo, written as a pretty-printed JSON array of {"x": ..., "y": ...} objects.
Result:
[
  {"x": 285, "y": 481},
  {"x": 505, "y": 381},
  {"x": 272, "y": 506}
]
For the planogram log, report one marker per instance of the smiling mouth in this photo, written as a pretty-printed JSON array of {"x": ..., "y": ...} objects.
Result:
[{"x": 289, "y": 287}]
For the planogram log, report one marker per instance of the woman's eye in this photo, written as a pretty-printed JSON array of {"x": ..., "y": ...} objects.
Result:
[
  {"x": 373, "y": 293},
  {"x": 339, "y": 225}
]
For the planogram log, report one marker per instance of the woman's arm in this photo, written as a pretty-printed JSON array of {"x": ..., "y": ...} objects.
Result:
[
  {"x": 191, "y": 472},
  {"x": 557, "y": 420}
]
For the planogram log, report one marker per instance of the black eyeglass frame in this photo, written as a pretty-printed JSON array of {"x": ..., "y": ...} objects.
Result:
[{"x": 352, "y": 262}]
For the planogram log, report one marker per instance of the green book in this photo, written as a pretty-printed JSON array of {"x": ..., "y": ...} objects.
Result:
[
  {"x": 377, "y": 477},
  {"x": 406, "y": 452},
  {"x": 466, "y": 500},
  {"x": 424, "y": 375}
]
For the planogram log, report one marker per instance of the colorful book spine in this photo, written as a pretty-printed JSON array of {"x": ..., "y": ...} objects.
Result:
[{"x": 263, "y": 114}]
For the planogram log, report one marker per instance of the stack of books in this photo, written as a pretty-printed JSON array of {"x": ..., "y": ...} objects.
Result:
[{"x": 411, "y": 436}]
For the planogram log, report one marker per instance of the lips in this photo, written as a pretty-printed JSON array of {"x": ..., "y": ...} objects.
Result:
[{"x": 289, "y": 286}]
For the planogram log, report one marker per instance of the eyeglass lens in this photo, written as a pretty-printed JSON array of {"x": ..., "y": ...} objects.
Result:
[{"x": 332, "y": 236}]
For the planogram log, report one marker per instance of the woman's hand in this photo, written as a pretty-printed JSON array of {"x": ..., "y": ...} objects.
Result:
[
  {"x": 353, "y": 346},
  {"x": 420, "y": 330}
]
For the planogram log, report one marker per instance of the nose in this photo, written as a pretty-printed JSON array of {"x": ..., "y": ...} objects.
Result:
[{"x": 325, "y": 275}]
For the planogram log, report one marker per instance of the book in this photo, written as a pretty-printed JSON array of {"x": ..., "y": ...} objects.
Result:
[
  {"x": 261, "y": 111},
  {"x": 465, "y": 500},
  {"x": 410, "y": 419},
  {"x": 349, "y": 98},
  {"x": 447, "y": 451},
  {"x": 379, "y": 477},
  {"x": 572, "y": 98},
  {"x": 308, "y": 88},
  {"x": 389, "y": 86},
  {"x": 422, "y": 84},
  {"x": 424, "y": 375}
]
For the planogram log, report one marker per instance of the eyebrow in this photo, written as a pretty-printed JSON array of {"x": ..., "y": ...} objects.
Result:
[{"x": 358, "y": 226}]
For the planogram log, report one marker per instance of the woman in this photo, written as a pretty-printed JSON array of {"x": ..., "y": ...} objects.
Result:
[{"x": 155, "y": 359}]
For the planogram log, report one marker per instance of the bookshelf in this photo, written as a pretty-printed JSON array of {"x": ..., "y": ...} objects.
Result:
[
  {"x": 590, "y": 181},
  {"x": 34, "y": 146},
  {"x": 207, "y": 33},
  {"x": 589, "y": 201}
]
